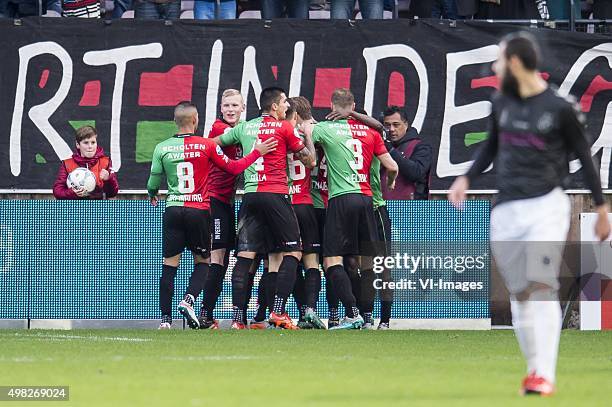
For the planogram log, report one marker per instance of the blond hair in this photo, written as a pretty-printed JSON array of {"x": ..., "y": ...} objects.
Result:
[
  {"x": 230, "y": 92},
  {"x": 342, "y": 97}
]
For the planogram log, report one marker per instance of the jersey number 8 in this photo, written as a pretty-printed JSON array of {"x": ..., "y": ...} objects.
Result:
[{"x": 184, "y": 173}]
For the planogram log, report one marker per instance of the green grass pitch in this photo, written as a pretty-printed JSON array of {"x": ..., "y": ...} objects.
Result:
[{"x": 222, "y": 368}]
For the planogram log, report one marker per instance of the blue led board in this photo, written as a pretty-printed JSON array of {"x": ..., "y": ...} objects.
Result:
[{"x": 102, "y": 260}]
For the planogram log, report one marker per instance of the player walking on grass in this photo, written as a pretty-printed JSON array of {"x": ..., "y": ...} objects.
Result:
[
  {"x": 185, "y": 160},
  {"x": 350, "y": 228},
  {"x": 266, "y": 221},
  {"x": 221, "y": 188},
  {"x": 532, "y": 133}
]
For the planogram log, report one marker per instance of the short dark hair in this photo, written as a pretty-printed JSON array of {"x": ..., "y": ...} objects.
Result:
[
  {"x": 183, "y": 112},
  {"x": 269, "y": 96},
  {"x": 396, "y": 109},
  {"x": 85, "y": 132},
  {"x": 302, "y": 106},
  {"x": 342, "y": 97},
  {"x": 290, "y": 111},
  {"x": 525, "y": 47}
]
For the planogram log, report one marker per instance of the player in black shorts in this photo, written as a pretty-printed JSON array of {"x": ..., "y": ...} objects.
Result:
[
  {"x": 350, "y": 229},
  {"x": 221, "y": 189},
  {"x": 267, "y": 223},
  {"x": 185, "y": 160},
  {"x": 307, "y": 286}
]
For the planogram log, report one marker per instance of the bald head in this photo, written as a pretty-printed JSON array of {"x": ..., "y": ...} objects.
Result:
[{"x": 186, "y": 115}]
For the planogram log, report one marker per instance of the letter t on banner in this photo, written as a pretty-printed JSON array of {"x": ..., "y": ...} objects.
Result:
[{"x": 120, "y": 57}]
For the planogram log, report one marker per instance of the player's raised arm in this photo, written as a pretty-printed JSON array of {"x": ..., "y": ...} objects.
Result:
[
  {"x": 307, "y": 155},
  {"x": 573, "y": 132},
  {"x": 484, "y": 157},
  {"x": 235, "y": 167},
  {"x": 230, "y": 137},
  {"x": 304, "y": 150},
  {"x": 346, "y": 113}
]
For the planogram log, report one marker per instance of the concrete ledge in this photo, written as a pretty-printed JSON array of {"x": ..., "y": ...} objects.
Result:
[
  {"x": 13, "y": 324},
  {"x": 442, "y": 324}
]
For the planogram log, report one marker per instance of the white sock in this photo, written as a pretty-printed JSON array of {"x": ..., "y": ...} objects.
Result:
[
  {"x": 547, "y": 323},
  {"x": 524, "y": 329}
]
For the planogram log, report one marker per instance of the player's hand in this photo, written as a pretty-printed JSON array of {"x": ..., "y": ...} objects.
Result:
[
  {"x": 602, "y": 226},
  {"x": 339, "y": 114},
  {"x": 154, "y": 200},
  {"x": 80, "y": 192},
  {"x": 306, "y": 128},
  {"x": 267, "y": 146},
  {"x": 457, "y": 192},
  {"x": 104, "y": 175},
  {"x": 390, "y": 184}
]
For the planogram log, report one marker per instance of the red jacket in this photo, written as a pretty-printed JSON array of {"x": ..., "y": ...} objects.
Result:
[{"x": 109, "y": 187}]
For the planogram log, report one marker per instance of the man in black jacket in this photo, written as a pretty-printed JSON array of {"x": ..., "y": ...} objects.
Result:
[{"x": 412, "y": 155}]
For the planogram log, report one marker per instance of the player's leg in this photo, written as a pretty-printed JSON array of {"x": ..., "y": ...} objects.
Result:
[
  {"x": 252, "y": 239},
  {"x": 333, "y": 302},
  {"x": 367, "y": 248},
  {"x": 311, "y": 245},
  {"x": 340, "y": 240},
  {"x": 351, "y": 265},
  {"x": 312, "y": 283},
  {"x": 299, "y": 296},
  {"x": 528, "y": 239},
  {"x": 284, "y": 231},
  {"x": 213, "y": 286},
  {"x": 383, "y": 226},
  {"x": 285, "y": 281},
  {"x": 249, "y": 290},
  {"x": 173, "y": 244},
  {"x": 258, "y": 321},
  {"x": 368, "y": 292},
  {"x": 197, "y": 231},
  {"x": 166, "y": 289},
  {"x": 223, "y": 237}
]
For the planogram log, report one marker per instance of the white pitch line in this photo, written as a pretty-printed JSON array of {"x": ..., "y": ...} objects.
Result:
[
  {"x": 93, "y": 338},
  {"x": 25, "y": 359},
  {"x": 207, "y": 358}
]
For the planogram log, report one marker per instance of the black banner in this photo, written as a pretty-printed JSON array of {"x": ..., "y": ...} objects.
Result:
[{"x": 126, "y": 76}]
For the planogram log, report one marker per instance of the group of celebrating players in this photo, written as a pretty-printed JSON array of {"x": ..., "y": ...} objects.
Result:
[
  {"x": 311, "y": 192},
  {"x": 288, "y": 216}
]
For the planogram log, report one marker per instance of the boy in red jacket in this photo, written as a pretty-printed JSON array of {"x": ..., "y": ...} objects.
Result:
[{"x": 90, "y": 156}]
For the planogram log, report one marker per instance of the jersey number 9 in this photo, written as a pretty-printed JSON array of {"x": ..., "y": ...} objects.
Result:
[{"x": 355, "y": 146}]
